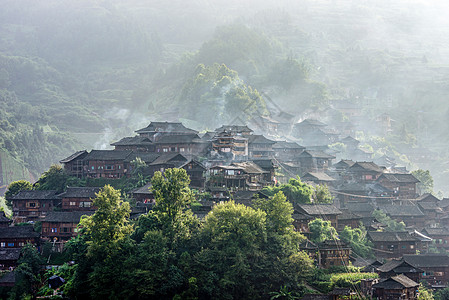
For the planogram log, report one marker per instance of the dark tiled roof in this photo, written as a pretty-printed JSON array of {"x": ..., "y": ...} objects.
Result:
[
  {"x": 107, "y": 155},
  {"x": 178, "y": 139},
  {"x": 360, "y": 207},
  {"x": 18, "y": 232},
  {"x": 235, "y": 128},
  {"x": 133, "y": 141},
  {"x": 344, "y": 163},
  {"x": 73, "y": 156},
  {"x": 315, "y": 154},
  {"x": 35, "y": 195},
  {"x": 436, "y": 231},
  {"x": 319, "y": 209},
  {"x": 10, "y": 253},
  {"x": 65, "y": 216},
  {"x": 147, "y": 157},
  {"x": 259, "y": 139},
  {"x": 146, "y": 189},
  {"x": 387, "y": 236},
  {"x": 8, "y": 278},
  {"x": 194, "y": 161},
  {"x": 249, "y": 167},
  {"x": 444, "y": 203},
  {"x": 349, "y": 139},
  {"x": 347, "y": 215},
  {"x": 166, "y": 127},
  {"x": 396, "y": 282},
  {"x": 243, "y": 195},
  {"x": 427, "y": 197},
  {"x": 302, "y": 217},
  {"x": 402, "y": 178},
  {"x": 287, "y": 145},
  {"x": 402, "y": 210},
  {"x": 169, "y": 158},
  {"x": 427, "y": 260},
  {"x": 429, "y": 206},
  {"x": 80, "y": 192},
  {"x": 265, "y": 164},
  {"x": 367, "y": 166},
  {"x": 321, "y": 176},
  {"x": 307, "y": 245}
]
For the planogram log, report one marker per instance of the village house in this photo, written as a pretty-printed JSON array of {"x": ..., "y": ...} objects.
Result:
[
  {"x": 313, "y": 132},
  {"x": 9, "y": 257},
  {"x": 4, "y": 221},
  {"x": 232, "y": 141},
  {"x": 301, "y": 223},
  {"x": 363, "y": 192},
  {"x": 33, "y": 205},
  {"x": 397, "y": 287},
  {"x": 399, "y": 266},
  {"x": 327, "y": 212},
  {"x": 106, "y": 164},
  {"x": 439, "y": 236},
  {"x": 136, "y": 143},
  {"x": 18, "y": 236},
  {"x": 394, "y": 244},
  {"x": 318, "y": 178},
  {"x": 349, "y": 219},
  {"x": 363, "y": 171},
  {"x": 411, "y": 215},
  {"x": 74, "y": 164},
  {"x": 166, "y": 161},
  {"x": 60, "y": 226},
  {"x": 144, "y": 194},
  {"x": 260, "y": 147},
  {"x": 196, "y": 172},
  {"x": 78, "y": 198},
  {"x": 403, "y": 185},
  {"x": 156, "y": 130},
  {"x": 328, "y": 254},
  {"x": 435, "y": 268},
  {"x": 314, "y": 161},
  {"x": 186, "y": 144},
  {"x": 238, "y": 176},
  {"x": 287, "y": 151}
]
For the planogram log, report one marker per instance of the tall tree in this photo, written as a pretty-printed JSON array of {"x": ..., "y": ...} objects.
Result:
[
  {"x": 14, "y": 188},
  {"x": 321, "y": 231},
  {"x": 425, "y": 184}
]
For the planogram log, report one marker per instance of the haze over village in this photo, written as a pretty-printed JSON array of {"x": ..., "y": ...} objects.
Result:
[{"x": 224, "y": 149}]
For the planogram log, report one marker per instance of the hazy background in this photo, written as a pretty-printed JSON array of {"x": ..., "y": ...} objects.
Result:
[{"x": 81, "y": 74}]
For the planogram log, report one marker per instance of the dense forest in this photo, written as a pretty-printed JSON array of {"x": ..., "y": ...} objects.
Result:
[{"x": 82, "y": 74}]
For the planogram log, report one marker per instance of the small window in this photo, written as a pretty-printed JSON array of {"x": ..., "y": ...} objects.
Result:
[
  {"x": 181, "y": 149},
  {"x": 21, "y": 244},
  {"x": 45, "y": 229},
  {"x": 54, "y": 230},
  {"x": 165, "y": 150},
  {"x": 93, "y": 168},
  {"x": 172, "y": 149},
  {"x": 3, "y": 244},
  {"x": 10, "y": 244},
  {"x": 72, "y": 203}
]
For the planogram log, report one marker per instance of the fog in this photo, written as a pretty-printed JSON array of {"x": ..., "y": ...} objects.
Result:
[{"x": 108, "y": 68}]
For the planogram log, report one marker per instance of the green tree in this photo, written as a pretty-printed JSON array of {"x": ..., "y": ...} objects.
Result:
[
  {"x": 321, "y": 194},
  {"x": 279, "y": 212},
  {"x": 425, "y": 184},
  {"x": 391, "y": 224},
  {"x": 321, "y": 231},
  {"x": 14, "y": 188},
  {"x": 424, "y": 293},
  {"x": 442, "y": 294},
  {"x": 296, "y": 191},
  {"x": 358, "y": 241},
  {"x": 54, "y": 178}
]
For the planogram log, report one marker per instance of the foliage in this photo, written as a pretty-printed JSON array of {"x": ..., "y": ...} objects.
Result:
[
  {"x": 358, "y": 241},
  {"x": 296, "y": 191},
  {"x": 391, "y": 224},
  {"x": 425, "y": 184},
  {"x": 424, "y": 293},
  {"x": 321, "y": 231},
  {"x": 54, "y": 178},
  {"x": 442, "y": 294},
  {"x": 15, "y": 187},
  {"x": 321, "y": 194}
]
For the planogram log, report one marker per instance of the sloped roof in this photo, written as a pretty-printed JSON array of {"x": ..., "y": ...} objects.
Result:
[
  {"x": 396, "y": 177},
  {"x": 402, "y": 210},
  {"x": 133, "y": 141},
  {"x": 234, "y": 128},
  {"x": 427, "y": 197},
  {"x": 35, "y": 195},
  {"x": 66, "y": 216},
  {"x": 367, "y": 166},
  {"x": 169, "y": 157},
  {"x": 73, "y": 156},
  {"x": 436, "y": 231},
  {"x": 10, "y": 253},
  {"x": 427, "y": 260},
  {"x": 80, "y": 192},
  {"x": 398, "y": 266},
  {"x": 8, "y": 278},
  {"x": 315, "y": 154},
  {"x": 347, "y": 215},
  {"x": 360, "y": 207},
  {"x": 249, "y": 167},
  {"x": 307, "y": 244},
  {"x": 319, "y": 209},
  {"x": 287, "y": 145},
  {"x": 26, "y": 231},
  {"x": 397, "y": 282},
  {"x": 147, "y": 157},
  {"x": 195, "y": 162},
  {"x": 3, "y": 218},
  {"x": 429, "y": 206},
  {"x": 349, "y": 139},
  {"x": 259, "y": 139},
  {"x": 107, "y": 155},
  {"x": 178, "y": 138},
  {"x": 344, "y": 163},
  {"x": 321, "y": 176},
  {"x": 388, "y": 236},
  {"x": 146, "y": 189},
  {"x": 166, "y": 127}
]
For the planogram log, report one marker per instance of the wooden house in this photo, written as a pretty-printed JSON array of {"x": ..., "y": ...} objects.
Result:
[
  {"x": 260, "y": 147},
  {"x": 241, "y": 130},
  {"x": 74, "y": 164},
  {"x": 269, "y": 166},
  {"x": 347, "y": 218},
  {"x": 196, "y": 172},
  {"x": 186, "y": 144},
  {"x": 435, "y": 268},
  {"x": 60, "y": 226},
  {"x": 307, "y": 127},
  {"x": 78, "y": 198},
  {"x": 393, "y": 244},
  {"x": 238, "y": 176},
  {"x": 333, "y": 253},
  {"x": 9, "y": 257},
  {"x": 166, "y": 161},
  {"x": 314, "y": 161},
  {"x": 318, "y": 178},
  {"x": 230, "y": 143},
  {"x": 396, "y": 287},
  {"x": 136, "y": 143},
  {"x": 144, "y": 194},
  {"x": 342, "y": 165},
  {"x": 364, "y": 171},
  {"x": 403, "y": 185},
  {"x": 399, "y": 266},
  {"x": 287, "y": 151},
  {"x": 156, "y": 130},
  {"x": 4, "y": 221},
  {"x": 439, "y": 236},
  {"x": 327, "y": 212},
  {"x": 350, "y": 142},
  {"x": 301, "y": 222},
  {"x": 18, "y": 236},
  {"x": 33, "y": 205},
  {"x": 106, "y": 163},
  {"x": 411, "y": 215}
]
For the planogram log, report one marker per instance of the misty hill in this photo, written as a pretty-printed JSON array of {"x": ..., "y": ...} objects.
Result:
[{"x": 81, "y": 74}]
